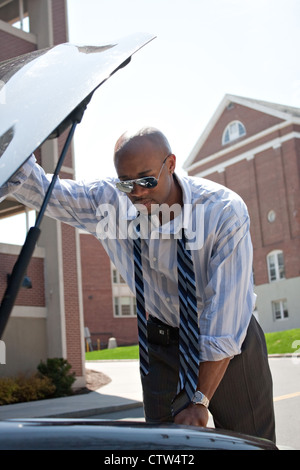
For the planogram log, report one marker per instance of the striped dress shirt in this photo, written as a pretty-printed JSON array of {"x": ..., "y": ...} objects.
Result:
[{"x": 216, "y": 223}]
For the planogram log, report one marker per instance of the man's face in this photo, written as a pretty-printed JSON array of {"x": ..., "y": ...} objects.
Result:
[{"x": 141, "y": 159}]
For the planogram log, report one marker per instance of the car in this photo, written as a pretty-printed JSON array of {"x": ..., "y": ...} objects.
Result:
[{"x": 96, "y": 434}]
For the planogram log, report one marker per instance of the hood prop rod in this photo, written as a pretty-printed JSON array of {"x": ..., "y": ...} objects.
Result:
[{"x": 21, "y": 265}]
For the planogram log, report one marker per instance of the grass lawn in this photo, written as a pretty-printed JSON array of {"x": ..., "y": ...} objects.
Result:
[
  {"x": 282, "y": 342},
  {"x": 123, "y": 352},
  {"x": 277, "y": 343}
]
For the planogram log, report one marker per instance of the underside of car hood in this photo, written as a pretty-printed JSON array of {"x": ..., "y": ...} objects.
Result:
[{"x": 41, "y": 91}]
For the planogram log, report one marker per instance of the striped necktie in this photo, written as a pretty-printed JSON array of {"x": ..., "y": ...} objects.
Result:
[
  {"x": 188, "y": 331},
  {"x": 140, "y": 304},
  {"x": 189, "y": 328}
]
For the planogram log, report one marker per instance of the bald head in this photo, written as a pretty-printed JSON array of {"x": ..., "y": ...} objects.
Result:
[
  {"x": 132, "y": 141},
  {"x": 143, "y": 154}
]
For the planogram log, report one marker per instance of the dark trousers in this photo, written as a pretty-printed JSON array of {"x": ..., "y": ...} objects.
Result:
[{"x": 243, "y": 401}]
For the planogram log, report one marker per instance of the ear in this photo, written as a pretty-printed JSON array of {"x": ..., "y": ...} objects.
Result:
[{"x": 171, "y": 163}]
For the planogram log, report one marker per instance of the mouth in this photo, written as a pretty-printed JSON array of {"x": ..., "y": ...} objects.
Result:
[{"x": 143, "y": 203}]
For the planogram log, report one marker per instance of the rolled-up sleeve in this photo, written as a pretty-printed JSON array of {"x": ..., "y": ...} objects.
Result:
[
  {"x": 229, "y": 299},
  {"x": 17, "y": 180},
  {"x": 73, "y": 202}
]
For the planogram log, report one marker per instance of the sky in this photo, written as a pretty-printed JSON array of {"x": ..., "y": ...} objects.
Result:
[{"x": 203, "y": 50}]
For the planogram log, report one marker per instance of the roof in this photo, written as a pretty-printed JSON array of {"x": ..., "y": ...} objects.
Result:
[{"x": 287, "y": 113}]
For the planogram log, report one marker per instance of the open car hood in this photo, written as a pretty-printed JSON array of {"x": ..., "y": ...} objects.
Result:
[{"x": 39, "y": 91}]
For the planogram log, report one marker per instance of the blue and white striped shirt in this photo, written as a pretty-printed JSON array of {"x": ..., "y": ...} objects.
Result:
[{"x": 216, "y": 217}]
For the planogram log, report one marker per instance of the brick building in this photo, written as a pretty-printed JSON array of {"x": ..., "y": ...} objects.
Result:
[
  {"x": 253, "y": 147},
  {"x": 47, "y": 320},
  {"x": 109, "y": 306}
]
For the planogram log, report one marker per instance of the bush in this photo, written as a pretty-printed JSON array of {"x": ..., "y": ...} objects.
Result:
[
  {"x": 34, "y": 388},
  {"x": 53, "y": 380},
  {"x": 21, "y": 389},
  {"x": 8, "y": 388},
  {"x": 58, "y": 371}
]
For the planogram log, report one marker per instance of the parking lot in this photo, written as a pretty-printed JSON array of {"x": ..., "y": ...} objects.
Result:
[{"x": 286, "y": 379}]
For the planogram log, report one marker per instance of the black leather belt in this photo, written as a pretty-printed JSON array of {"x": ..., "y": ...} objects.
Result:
[{"x": 161, "y": 333}]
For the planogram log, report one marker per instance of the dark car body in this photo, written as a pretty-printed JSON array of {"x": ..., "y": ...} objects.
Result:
[{"x": 82, "y": 434}]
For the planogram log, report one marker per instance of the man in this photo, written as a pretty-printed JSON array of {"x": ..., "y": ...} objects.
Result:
[{"x": 151, "y": 203}]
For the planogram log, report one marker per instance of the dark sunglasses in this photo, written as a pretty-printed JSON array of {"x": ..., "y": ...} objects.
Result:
[{"x": 148, "y": 182}]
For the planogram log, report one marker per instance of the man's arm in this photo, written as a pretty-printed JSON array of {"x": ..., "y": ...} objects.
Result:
[
  {"x": 210, "y": 375},
  {"x": 73, "y": 202}
]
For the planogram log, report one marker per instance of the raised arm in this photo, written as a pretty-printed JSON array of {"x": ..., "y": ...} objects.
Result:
[{"x": 72, "y": 202}]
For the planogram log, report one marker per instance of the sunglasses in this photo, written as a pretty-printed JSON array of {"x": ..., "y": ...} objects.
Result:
[{"x": 148, "y": 182}]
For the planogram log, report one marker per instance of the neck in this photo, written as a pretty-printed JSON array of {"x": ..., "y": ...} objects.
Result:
[
  {"x": 176, "y": 196},
  {"x": 175, "y": 200}
]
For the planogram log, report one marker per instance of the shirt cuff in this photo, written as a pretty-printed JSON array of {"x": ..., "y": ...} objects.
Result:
[
  {"x": 18, "y": 178},
  {"x": 217, "y": 348}
]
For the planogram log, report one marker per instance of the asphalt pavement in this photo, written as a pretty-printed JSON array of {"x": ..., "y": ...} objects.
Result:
[{"x": 124, "y": 392}]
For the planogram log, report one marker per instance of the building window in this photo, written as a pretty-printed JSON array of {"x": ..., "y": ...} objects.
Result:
[
  {"x": 117, "y": 278},
  {"x": 233, "y": 131},
  {"x": 123, "y": 300},
  {"x": 280, "y": 310},
  {"x": 271, "y": 216},
  {"x": 276, "y": 270},
  {"x": 124, "y": 306}
]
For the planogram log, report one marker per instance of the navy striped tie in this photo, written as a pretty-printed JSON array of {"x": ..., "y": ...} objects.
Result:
[
  {"x": 189, "y": 329},
  {"x": 140, "y": 305}
]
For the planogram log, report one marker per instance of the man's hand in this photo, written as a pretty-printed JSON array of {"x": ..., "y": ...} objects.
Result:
[
  {"x": 210, "y": 375},
  {"x": 193, "y": 415}
]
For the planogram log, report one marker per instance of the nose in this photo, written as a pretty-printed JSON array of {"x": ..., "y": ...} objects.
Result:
[{"x": 138, "y": 190}]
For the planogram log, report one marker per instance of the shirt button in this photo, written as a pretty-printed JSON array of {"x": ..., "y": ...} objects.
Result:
[
  {"x": 168, "y": 299},
  {"x": 154, "y": 259}
]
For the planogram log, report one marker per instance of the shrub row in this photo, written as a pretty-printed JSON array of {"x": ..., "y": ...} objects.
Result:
[{"x": 53, "y": 379}]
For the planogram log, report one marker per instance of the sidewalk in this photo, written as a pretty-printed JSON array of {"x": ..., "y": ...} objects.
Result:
[{"x": 124, "y": 391}]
